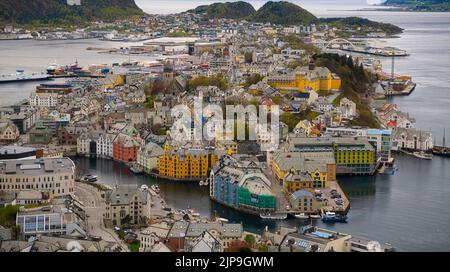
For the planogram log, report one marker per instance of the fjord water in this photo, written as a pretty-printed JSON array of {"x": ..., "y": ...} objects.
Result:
[{"x": 409, "y": 209}]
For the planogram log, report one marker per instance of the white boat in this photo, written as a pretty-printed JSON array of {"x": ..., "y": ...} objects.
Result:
[
  {"x": 314, "y": 216},
  {"x": 301, "y": 216},
  {"x": 273, "y": 216},
  {"x": 422, "y": 155}
]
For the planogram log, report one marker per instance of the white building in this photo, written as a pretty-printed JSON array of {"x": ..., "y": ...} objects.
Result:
[{"x": 48, "y": 100}]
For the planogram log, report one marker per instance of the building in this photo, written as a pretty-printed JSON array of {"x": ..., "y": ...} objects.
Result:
[
  {"x": 125, "y": 148},
  {"x": 40, "y": 135},
  {"x": 412, "y": 139},
  {"x": 191, "y": 163},
  {"x": 306, "y": 78},
  {"x": 48, "y": 100},
  {"x": 239, "y": 182},
  {"x": 348, "y": 108},
  {"x": 48, "y": 220},
  {"x": 26, "y": 197},
  {"x": 353, "y": 155},
  {"x": 127, "y": 204},
  {"x": 304, "y": 201},
  {"x": 8, "y": 132},
  {"x": 152, "y": 236},
  {"x": 224, "y": 233},
  {"x": 303, "y": 170},
  {"x": 148, "y": 157},
  {"x": 105, "y": 145},
  {"x": 55, "y": 176}
]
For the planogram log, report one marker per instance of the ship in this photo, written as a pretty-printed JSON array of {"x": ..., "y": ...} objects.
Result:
[
  {"x": 20, "y": 76},
  {"x": 443, "y": 150},
  {"x": 423, "y": 155},
  {"x": 332, "y": 217},
  {"x": 273, "y": 216}
]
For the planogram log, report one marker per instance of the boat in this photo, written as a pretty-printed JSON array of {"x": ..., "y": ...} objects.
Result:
[
  {"x": 224, "y": 220},
  {"x": 135, "y": 170},
  {"x": 273, "y": 216},
  {"x": 314, "y": 216},
  {"x": 301, "y": 216},
  {"x": 20, "y": 76},
  {"x": 90, "y": 178},
  {"x": 52, "y": 68},
  {"x": 332, "y": 217},
  {"x": 423, "y": 155},
  {"x": 443, "y": 150}
]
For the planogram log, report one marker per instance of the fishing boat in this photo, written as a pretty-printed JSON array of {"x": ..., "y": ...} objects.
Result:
[
  {"x": 301, "y": 216},
  {"x": 332, "y": 217},
  {"x": 423, "y": 155},
  {"x": 273, "y": 216}
]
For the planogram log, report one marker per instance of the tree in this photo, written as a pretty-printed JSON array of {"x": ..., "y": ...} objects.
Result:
[
  {"x": 290, "y": 120},
  {"x": 263, "y": 248},
  {"x": 250, "y": 239},
  {"x": 252, "y": 79}
]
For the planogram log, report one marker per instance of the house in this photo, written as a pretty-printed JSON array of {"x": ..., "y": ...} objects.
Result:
[
  {"x": 125, "y": 148},
  {"x": 127, "y": 204},
  {"x": 151, "y": 237},
  {"x": 303, "y": 201},
  {"x": 410, "y": 138},
  {"x": 348, "y": 108},
  {"x": 8, "y": 132},
  {"x": 148, "y": 157}
]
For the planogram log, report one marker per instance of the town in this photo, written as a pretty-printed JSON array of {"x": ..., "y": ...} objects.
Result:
[{"x": 334, "y": 120}]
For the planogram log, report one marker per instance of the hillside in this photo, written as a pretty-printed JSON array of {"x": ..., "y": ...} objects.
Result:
[
  {"x": 420, "y": 5},
  {"x": 47, "y": 11},
  {"x": 357, "y": 22},
  {"x": 283, "y": 13},
  {"x": 229, "y": 10}
]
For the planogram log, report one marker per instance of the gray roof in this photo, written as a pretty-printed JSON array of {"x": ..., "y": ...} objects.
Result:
[
  {"x": 123, "y": 195},
  {"x": 37, "y": 167}
]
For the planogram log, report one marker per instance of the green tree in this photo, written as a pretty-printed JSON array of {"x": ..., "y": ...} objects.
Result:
[{"x": 250, "y": 239}]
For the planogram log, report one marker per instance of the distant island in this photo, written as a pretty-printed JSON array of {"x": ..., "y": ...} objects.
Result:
[
  {"x": 357, "y": 22},
  {"x": 420, "y": 5},
  {"x": 65, "y": 11}
]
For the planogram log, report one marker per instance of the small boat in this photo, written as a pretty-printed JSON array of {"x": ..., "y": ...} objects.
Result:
[
  {"x": 301, "y": 216},
  {"x": 423, "y": 155},
  {"x": 201, "y": 183},
  {"x": 314, "y": 216},
  {"x": 273, "y": 216},
  {"x": 224, "y": 220},
  {"x": 332, "y": 217},
  {"x": 135, "y": 170},
  {"x": 90, "y": 178}
]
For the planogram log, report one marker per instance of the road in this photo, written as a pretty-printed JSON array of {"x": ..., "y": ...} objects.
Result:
[{"x": 95, "y": 207}]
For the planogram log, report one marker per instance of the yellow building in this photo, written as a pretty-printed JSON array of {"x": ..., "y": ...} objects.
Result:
[
  {"x": 304, "y": 78},
  {"x": 186, "y": 163},
  {"x": 297, "y": 171}
]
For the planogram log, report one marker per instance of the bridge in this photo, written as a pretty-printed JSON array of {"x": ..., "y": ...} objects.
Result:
[{"x": 340, "y": 41}]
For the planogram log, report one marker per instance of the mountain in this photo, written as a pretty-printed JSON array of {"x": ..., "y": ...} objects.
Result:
[
  {"x": 283, "y": 13},
  {"x": 26, "y": 11},
  {"x": 420, "y": 5},
  {"x": 229, "y": 10},
  {"x": 355, "y": 22}
]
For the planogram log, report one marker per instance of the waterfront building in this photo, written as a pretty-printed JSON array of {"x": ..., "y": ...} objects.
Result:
[
  {"x": 303, "y": 201},
  {"x": 13, "y": 152},
  {"x": 48, "y": 220},
  {"x": 8, "y": 132},
  {"x": 55, "y": 176},
  {"x": 186, "y": 162},
  {"x": 304, "y": 78},
  {"x": 127, "y": 204},
  {"x": 410, "y": 138},
  {"x": 125, "y": 148},
  {"x": 105, "y": 145},
  {"x": 48, "y": 100},
  {"x": 353, "y": 155},
  {"x": 40, "y": 135},
  {"x": 239, "y": 182},
  {"x": 300, "y": 170},
  {"x": 148, "y": 157}
]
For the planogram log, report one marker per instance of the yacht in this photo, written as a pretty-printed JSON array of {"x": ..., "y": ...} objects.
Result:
[
  {"x": 331, "y": 217},
  {"x": 301, "y": 216},
  {"x": 273, "y": 216},
  {"x": 423, "y": 155}
]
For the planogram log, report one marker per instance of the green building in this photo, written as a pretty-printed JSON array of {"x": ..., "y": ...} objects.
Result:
[
  {"x": 40, "y": 135},
  {"x": 255, "y": 193}
]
